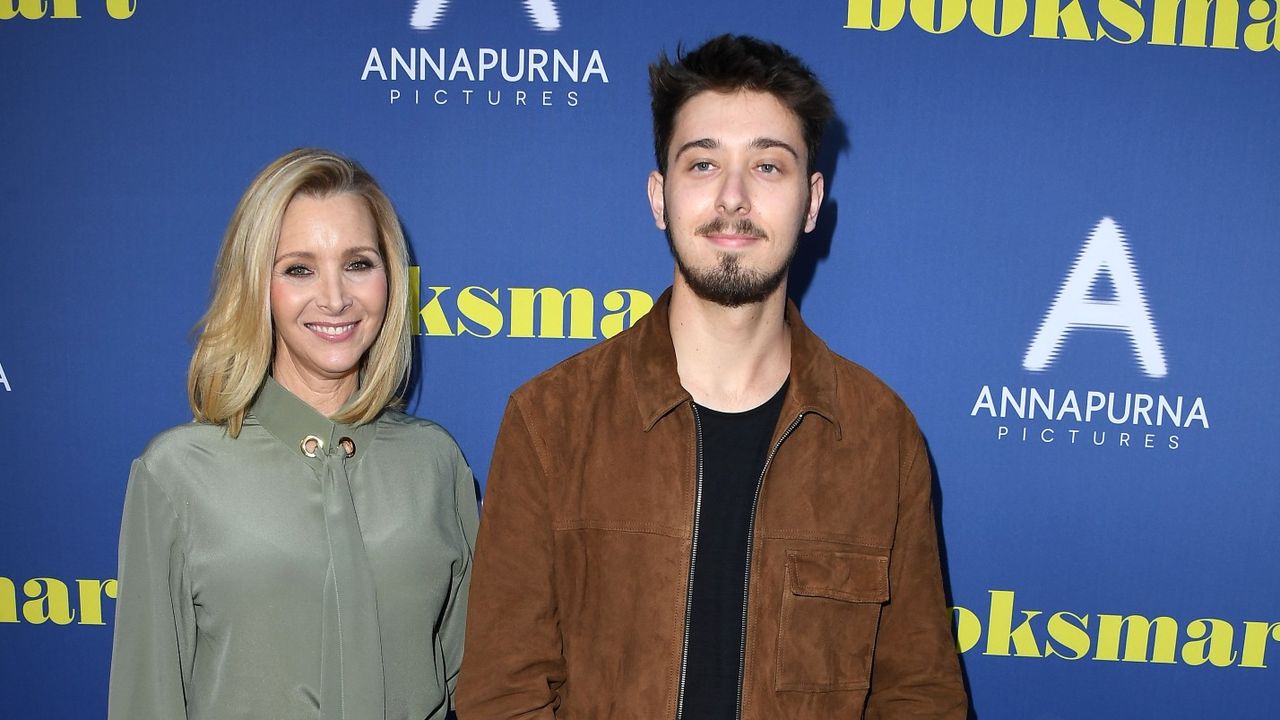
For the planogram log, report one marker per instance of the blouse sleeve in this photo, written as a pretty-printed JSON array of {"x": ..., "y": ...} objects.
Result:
[
  {"x": 155, "y": 625},
  {"x": 453, "y": 626}
]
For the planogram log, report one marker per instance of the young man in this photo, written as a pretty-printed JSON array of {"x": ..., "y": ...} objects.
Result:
[{"x": 711, "y": 515}]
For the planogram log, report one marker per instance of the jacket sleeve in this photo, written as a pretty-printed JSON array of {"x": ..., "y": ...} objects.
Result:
[
  {"x": 514, "y": 664},
  {"x": 916, "y": 673},
  {"x": 155, "y": 623},
  {"x": 453, "y": 622}
]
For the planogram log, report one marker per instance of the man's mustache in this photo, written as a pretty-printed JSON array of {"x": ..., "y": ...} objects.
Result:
[{"x": 741, "y": 226}]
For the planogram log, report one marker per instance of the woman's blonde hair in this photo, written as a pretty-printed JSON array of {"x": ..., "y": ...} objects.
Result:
[{"x": 236, "y": 342}]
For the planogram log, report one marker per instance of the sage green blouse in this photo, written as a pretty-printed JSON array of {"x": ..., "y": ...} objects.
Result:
[{"x": 303, "y": 570}]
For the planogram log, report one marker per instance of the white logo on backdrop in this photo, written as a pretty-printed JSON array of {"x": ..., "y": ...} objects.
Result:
[
  {"x": 4, "y": 380},
  {"x": 1075, "y": 307},
  {"x": 543, "y": 14}
]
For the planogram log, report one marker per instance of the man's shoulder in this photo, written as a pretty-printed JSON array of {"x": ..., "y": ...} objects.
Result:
[
  {"x": 855, "y": 377},
  {"x": 591, "y": 370},
  {"x": 860, "y": 390}
]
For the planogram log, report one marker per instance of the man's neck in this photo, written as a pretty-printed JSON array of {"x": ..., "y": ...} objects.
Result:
[{"x": 730, "y": 359}]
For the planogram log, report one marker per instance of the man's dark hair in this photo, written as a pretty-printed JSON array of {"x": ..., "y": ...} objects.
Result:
[{"x": 737, "y": 62}]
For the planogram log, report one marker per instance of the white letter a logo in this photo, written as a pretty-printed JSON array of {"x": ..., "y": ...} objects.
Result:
[
  {"x": 1075, "y": 308},
  {"x": 543, "y": 14}
]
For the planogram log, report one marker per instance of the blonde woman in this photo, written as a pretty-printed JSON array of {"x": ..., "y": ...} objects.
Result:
[{"x": 302, "y": 549}]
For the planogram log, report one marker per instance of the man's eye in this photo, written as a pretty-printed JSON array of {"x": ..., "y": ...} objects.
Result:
[
  {"x": 768, "y": 168},
  {"x": 702, "y": 166}
]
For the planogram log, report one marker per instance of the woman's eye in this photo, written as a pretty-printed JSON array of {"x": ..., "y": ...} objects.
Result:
[
  {"x": 297, "y": 270},
  {"x": 360, "y": 264}
]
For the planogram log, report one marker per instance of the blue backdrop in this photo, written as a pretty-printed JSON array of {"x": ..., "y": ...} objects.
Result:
[{"x": 1099, "y": 176}]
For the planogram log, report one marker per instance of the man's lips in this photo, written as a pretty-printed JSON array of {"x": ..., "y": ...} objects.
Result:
[
  {"x": 732, "y": 240},
  {"x": 731, "y": 234}
]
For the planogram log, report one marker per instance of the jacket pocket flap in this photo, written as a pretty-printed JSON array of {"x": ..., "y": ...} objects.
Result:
[{"x": 852, "y": 577}]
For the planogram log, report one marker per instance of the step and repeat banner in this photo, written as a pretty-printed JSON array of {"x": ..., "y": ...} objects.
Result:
[{"x": 1051, "y": 225}]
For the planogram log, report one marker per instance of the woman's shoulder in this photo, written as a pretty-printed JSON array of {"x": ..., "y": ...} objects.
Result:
[
  {"x": 180, "y": 441},
  {"x": 401, "y": 422},
  {"x": 427, "y": 435}
]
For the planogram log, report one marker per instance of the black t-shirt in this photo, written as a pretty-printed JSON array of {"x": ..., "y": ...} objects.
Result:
[{"x": 734, "y": 449}]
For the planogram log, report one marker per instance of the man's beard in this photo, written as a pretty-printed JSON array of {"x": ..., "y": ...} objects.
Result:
[{"x": 728, "y": 283}]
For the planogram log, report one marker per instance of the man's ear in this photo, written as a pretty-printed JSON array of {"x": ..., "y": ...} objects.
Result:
[
  {"x": 817, "y": 188},
  {"x": 657, "y": 202}
]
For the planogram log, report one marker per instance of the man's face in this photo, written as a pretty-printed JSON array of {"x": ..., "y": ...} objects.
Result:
[{"x": 736, "y": 195}]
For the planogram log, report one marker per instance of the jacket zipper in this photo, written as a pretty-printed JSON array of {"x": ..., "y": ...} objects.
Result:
[
  {"x": 693, "y": 556},
  {"x": 746, "y": 584}
]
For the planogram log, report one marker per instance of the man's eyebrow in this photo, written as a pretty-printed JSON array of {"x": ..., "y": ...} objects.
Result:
[
  {"x": 764, "y": 143},
  {"x": 702, "y": 143},
  {"x": 760, "y": 143}
]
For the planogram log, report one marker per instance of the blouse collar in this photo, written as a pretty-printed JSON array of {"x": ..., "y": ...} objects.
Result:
[{"x": 303, "y": 430}]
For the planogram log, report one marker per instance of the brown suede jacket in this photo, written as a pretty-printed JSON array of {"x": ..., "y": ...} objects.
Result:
[{"x": 578, "y": 593}]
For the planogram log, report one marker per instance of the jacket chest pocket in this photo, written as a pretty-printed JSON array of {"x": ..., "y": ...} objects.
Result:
[{"x": 830, "y": 614}]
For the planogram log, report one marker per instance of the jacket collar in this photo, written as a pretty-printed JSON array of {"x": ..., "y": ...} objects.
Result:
[{"x": 658, "y": 390}]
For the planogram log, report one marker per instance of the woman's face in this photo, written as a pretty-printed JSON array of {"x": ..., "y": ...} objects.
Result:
[{"x": 328, "y": 292}]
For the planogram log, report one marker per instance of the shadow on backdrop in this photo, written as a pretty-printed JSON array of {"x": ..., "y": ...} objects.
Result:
[
  {"x": 413, "y": 387},
  {"x": 946, "y": 569},
  {"x": 816, "y": 246}
]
